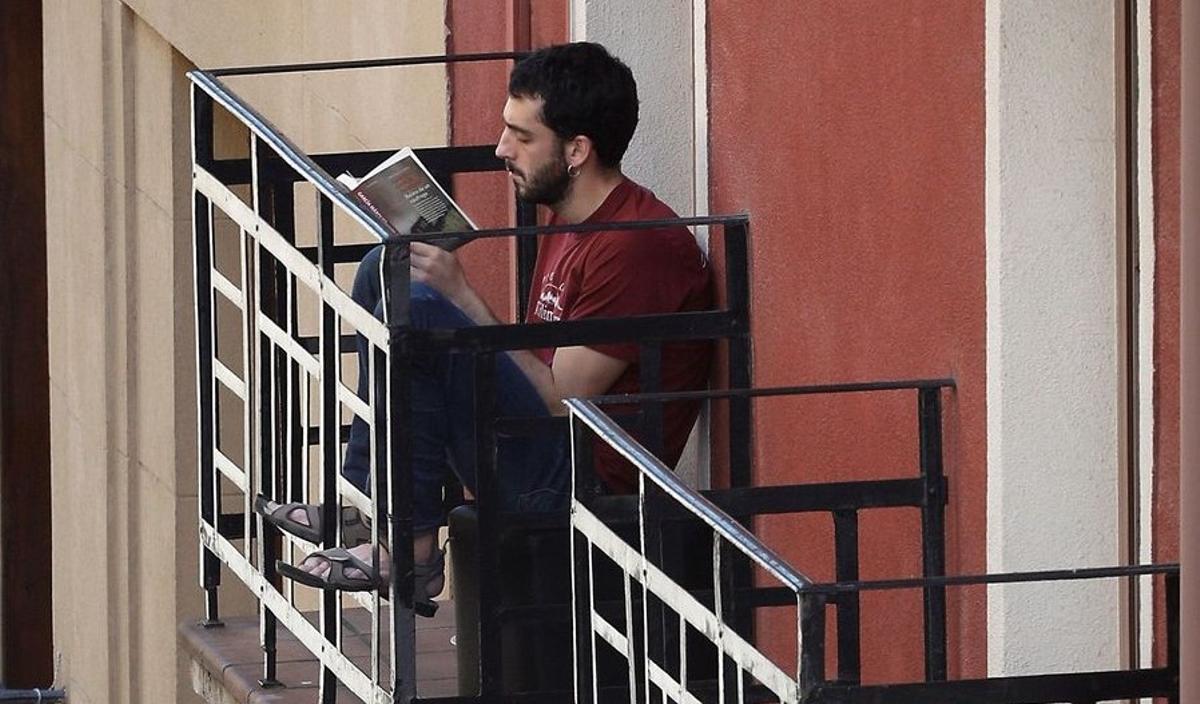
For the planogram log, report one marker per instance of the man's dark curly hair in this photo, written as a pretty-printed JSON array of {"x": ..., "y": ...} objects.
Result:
[{"x": 586, "y": 91}]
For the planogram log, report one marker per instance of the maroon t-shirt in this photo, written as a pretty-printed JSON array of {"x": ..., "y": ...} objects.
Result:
[{"x": 623, "y": 273}]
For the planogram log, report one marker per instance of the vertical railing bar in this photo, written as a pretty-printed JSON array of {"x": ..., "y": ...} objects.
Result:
[
  {"x": 741, "y": 685},
  {"x": 933, "y": 532},
  {"x": 650, "y": 526},
  {"x": 812, "y": 642},
  {"x": 377, "y": 383},
  {"x": 396, "y": 481},
  {"x": 719, "y": 612},
  {"x": 634, "y": 695},
  {"x": 592, "y": 618},
  {"x": 849, "y": 655},
  {"x": 526, "y": 256},
  {"x": 210, "y": 568},
  {"x": 487, "y": 500},
  {"x": 741, "y": 410},
  {"x": 330, "y": 456},
  {"x": 650, "y": 381},
  {"x": 1171, "y": 593},
  {"x": 263, "y": 397},
  {"x": 582, "y": 656},
  {"x": 683, "y": 673},
  {"x": 300, "y": 473},
  {"x": 246, "y": 243},
  {"x": 269, "y": 538},
  {"x": 202, "y": 239},
  {"x": 630, "y": 650},
  {"x": 737, "y": 286},
  {"x": 283, "y": 214}
]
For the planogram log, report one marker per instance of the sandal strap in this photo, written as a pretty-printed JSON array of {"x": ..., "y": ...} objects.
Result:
[
  {"x": 340, "y": 561},
  {"x": 355, "y": 526}
]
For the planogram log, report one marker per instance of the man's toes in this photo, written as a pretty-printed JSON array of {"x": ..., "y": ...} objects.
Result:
[{"x": 315, "y": 565}]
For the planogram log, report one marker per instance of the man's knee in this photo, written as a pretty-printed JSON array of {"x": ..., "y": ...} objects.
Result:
[
  {"x": 428, "y": 308},
  {"x": 366, "y": 279}
]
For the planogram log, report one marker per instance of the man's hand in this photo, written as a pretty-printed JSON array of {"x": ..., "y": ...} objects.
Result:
[
  {"x": 577, "y": 371},
  {"x": 440, "y": 270}
]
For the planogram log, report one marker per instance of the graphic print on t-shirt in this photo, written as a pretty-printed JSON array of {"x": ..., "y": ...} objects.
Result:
[{"x": 550, "y": 304}]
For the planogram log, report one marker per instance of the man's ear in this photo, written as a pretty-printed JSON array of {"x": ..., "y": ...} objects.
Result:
[{"x": 578, "y": 150}]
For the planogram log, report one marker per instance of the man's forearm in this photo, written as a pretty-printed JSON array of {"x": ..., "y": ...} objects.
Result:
[{"x": 539, "y": 374}]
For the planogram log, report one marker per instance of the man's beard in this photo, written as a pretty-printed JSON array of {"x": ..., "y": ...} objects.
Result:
[{"x": 548, "y": 185}]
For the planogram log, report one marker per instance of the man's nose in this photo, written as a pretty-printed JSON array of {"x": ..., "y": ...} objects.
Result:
[{"x": 502, "y": 147}]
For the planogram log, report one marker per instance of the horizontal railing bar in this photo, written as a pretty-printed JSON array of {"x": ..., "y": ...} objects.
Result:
[
  {"x": 288, "y": 151},
  {"x": 675, "y": 689},
  {"x": 1066, "y": 575},
  {"x": 807, "y": 498},
  {"x": 351, "y": 400},
  {"x": 355, "y": 497},
  {"x": 347, "y": 343},
  {"x": 313, "y": 435},
  {"x": 294, "y": 350},
  {"x": 227, "y": 288},
  {"x": 675, "y": 327},
  {"x": 609, "y": 633},
  {"x": 809, "y": 390},
  {"x": 608, "y": 693},
  {"x": 653, "y": 468},
  {"x": 233, "y": 525},
  {"x": 350, "y": 64},
  {"x": 744, "y": 502},
  {"x": 453, "y": 159},
  {"x": 231, "y": 471},
  {"x": 342, "y": 253},
  {"x": 579, "y": 228},
  {"x": 1026, "y": 689},
  {"x": 229, "y": 379}
]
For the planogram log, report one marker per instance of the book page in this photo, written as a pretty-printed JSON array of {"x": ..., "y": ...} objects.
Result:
[{"x": 401, "y": 192}]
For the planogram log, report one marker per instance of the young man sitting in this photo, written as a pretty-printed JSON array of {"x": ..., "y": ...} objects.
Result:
[{"x": 570, "y": 114}]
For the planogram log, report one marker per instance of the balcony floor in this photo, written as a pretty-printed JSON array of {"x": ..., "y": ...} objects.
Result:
[{"x": 227, "y": 661}]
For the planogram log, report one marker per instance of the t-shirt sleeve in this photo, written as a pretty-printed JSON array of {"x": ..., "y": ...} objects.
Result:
[{"x": 625, "y": 275}]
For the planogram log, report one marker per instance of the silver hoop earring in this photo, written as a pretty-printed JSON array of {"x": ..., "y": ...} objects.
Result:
[{"x": 573, "y": 170}]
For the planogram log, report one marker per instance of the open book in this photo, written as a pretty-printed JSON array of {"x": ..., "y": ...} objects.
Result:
[{"x": 402, "y": 193}]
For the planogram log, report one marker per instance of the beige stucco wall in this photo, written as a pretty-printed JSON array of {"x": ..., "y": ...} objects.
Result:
[{"x": 120, "y": 299}]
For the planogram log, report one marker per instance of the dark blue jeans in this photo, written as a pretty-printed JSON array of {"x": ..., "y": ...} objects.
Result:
[{"x": 533, "y": 472}]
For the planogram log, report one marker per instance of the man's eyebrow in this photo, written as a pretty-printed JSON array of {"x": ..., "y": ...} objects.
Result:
[{"x": 517, "y": 128}]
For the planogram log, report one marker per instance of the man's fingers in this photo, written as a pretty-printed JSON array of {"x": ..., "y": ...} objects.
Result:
[{"x": 423, "y": 249}]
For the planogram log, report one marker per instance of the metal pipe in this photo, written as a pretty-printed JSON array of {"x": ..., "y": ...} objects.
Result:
[
  {"x": 33, "y": 695},
  {"x": 315, "y": 66},
  {"x": 288, "y": 151}
]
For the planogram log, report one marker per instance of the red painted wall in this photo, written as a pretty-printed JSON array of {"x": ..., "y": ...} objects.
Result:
[
  {"x": 853, "y": 133},
  {"x": 477, "y": 94},
  {"x": 1165, "y": 79}
]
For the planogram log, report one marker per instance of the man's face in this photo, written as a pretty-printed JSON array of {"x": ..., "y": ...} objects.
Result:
[{"x": 532, "y": 153}]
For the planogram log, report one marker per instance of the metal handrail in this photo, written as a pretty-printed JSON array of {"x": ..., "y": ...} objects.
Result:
[
  {"x": 809, "y": 390},
  {"x": 742, "y": 218},
  {"x": 315, "y": 66},
  {"x": 653, "y": 468},
  {"x": 262, "y": 129},
  {"x": 963, "y": 580}
]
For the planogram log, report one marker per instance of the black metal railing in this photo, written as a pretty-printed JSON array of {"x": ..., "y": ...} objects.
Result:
[
  {"x": 665, "y": 619},
  {"x": 274, "y": 336}
]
